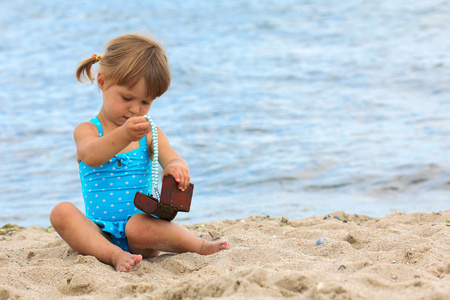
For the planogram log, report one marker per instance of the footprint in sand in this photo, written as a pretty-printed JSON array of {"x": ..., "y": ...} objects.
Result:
[
  {"x": 4, "y": 294},
  {"x": 78, "y": 284}
]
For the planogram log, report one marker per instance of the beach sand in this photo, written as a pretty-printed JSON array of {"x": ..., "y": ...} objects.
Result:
[{"x": 400, "y": 256}]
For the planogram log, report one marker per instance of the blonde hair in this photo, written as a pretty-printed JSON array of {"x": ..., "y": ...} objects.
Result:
[{"x": 127, "y": 59}]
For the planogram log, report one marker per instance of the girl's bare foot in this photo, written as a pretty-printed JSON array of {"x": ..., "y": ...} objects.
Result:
[
  {"x": 124, "y": 261},
  {"x": 213, "y": 247}
]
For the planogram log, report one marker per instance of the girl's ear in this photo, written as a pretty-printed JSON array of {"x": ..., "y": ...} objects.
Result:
[{"x": 101, "y": 81}]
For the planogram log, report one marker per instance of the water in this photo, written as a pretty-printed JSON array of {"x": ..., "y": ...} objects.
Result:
[{"x": 281, "y": 108}]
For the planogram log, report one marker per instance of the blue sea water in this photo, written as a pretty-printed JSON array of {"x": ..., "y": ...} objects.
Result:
[{"x": 281, "y": 108}]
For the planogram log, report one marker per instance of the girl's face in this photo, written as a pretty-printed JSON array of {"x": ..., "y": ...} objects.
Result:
[{"x": 123, "y": 102}]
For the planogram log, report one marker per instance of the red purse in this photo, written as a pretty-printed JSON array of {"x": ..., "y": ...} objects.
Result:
[{"x": 172, "y": 200}]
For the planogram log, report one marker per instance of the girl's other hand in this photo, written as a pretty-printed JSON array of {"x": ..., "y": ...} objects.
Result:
[
  {"x": 180, "y": 173},
  {"x": 136, "y": 128}
]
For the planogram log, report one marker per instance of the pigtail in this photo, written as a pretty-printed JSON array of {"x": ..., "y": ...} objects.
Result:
[{"x": 85, "y": 68}]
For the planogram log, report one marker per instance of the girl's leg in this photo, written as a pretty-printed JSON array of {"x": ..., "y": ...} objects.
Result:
[
  {"x": 147, "y": 234},
  {"x": 86, "y": 237}
]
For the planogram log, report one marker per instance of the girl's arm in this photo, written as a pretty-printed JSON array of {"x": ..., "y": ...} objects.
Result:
[
  {"x": 171, "y": 162},
  {"x": 95, "y": 151}
]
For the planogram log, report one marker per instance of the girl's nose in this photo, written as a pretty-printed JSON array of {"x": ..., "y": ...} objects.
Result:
[{"x": 134, "y": 108}]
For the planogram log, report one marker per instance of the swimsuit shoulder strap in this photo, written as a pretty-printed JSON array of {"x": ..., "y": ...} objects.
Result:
[
  {"x": 143, "y": 142},
  {"x": 97, "y": 123}
]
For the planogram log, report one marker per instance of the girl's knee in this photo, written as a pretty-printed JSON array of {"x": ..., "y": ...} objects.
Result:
[
  {"x": 61, "y": 212},
  {"x": 134, "y": 224},
  {"x": 139, "y": 227}
]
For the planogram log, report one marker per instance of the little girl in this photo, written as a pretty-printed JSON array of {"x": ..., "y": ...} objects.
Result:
[{"x": 115, "y": 157}]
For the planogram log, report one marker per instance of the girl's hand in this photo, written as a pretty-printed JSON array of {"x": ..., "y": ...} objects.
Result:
[
  {"x": 180, "y": 173},
  {"x": 136, "y": 128}
]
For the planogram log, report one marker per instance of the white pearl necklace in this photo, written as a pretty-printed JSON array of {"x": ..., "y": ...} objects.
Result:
[{"x": 155, "y": 157}]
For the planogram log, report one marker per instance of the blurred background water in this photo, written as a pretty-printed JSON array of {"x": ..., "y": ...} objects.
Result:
[{"x": 281, "y": 108}]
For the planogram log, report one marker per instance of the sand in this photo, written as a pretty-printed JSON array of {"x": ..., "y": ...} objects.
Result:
[{"x": 400, "y": 256}]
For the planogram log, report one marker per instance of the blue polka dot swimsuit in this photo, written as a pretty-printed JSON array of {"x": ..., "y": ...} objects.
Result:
[{"x": 109, "y": 189}]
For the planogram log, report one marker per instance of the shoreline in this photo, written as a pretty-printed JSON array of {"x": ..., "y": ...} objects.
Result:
[{"x": 397, "y": 257}]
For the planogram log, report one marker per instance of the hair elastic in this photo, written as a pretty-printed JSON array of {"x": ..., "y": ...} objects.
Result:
[{"x": 97, "y": 57}]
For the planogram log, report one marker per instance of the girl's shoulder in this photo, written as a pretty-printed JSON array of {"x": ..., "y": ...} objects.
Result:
[
  {"x": 85, "y": 128},
  {"x": 160, "y": 133}
]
